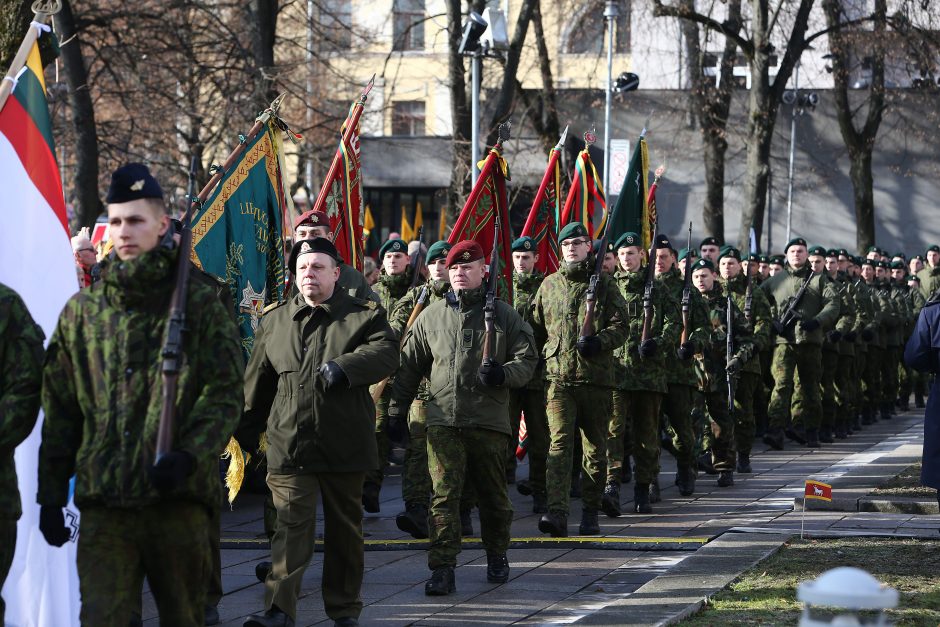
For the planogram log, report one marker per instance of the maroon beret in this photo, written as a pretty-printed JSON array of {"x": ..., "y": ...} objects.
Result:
[
  {"x": 312, "y": 218},
  {"x": 464, "y": 252}
]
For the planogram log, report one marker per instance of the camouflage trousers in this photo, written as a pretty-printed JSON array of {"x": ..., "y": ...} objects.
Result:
[
  {"x": 456, "y": 455},
  {"x": 720, "y": 428},
  {"x": 827, "y": 393},
  {"x": 846, "y": 384},
  {"x": 530, "y": 402},
  {"x": 639, "y": 409},
  {"x": 415, "y": 478},
  {"x": 7, "y": 548},
  {"x": 910, "y": 380},
  {"x": 889, "y": 374},
  {"x": 295, "y": 497},
  {"x": 745, "y": 425},
  {"x": 167, "y": 543},
  {"x": 762, "y": 392},
  {"x": 214, "y": 583},
  {"x": 872, "y": 377},
  {"x": 790, "y": 359},
  {"x": 676, "y": 413},
  {"x": 377, "y": 475},
  {"x": 573, "y": 408}
]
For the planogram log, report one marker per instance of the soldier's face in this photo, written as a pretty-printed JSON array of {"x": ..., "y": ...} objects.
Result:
[
  {"x": 872, "y": 255},
  {"x": 575, "y": 249},
  {"x": 317, "y": 274},
  {"x": 832, "y": 265},
  {"x": 796, "y": 256},
  {"x": 843, "y": 263},
  {"x": 775, "y": 268},
  {"x": 136, "y": 227},
  {"x": 898, "y": 274},
  {"x": 307, "y": 231},
  {"x": 524, "y": 262},
  {"x": 467, "y": 276},
  {"x": 665, "y": 259},
  {"x": 703, "y": 279},
  {"x": 817, "y": 263},
  {"x": 916, "y": 265},
  {"x": 610, "y": 263},
  {"x": 729, "y": 267},
  {"x": 709, "y": 251},
  {"x": 764, "y": 269},
  {"x": 437, "y": 269},
  {"x": 933, "y": 258},
  {"x": 630, "y": 258},
  {"x": 880, "y": 273},
  {"x": 868, "y": 272},
  {"x": 394, "y": 263}
]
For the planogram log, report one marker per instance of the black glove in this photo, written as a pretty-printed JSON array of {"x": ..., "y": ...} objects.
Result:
[
  {"x": 492, "y": 374},
  {"x": 779, "y": 328},
  {"x": 868, "y": 335},
  {"x": 810, "y": 325},
  {"x": 850, "y": 336},
  {"x": 589, "y": 346},
  {"x": 734, "y": 366},
  {"x": 648, "y": 348},
  {"x": 834, "y": 336},
  {"x": 396, "y": 426},
  {"x": 687, "y": 350},
  {"x": 52, "y": 525},
  {"x": 171, "y": 470},
  {"x": 333, "y": 375}
]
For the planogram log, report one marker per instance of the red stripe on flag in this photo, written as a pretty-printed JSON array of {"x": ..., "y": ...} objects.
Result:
[{"x": 31, "y": 147}]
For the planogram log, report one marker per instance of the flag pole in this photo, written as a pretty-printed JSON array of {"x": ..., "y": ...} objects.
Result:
[
  {"x": 42, "y": 10},
  {"x": 546, "y": 179}
]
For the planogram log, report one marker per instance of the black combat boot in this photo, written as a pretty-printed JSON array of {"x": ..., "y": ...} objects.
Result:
[
  {"x": 774, "y": 439},
  {"x": 523, "y": 487},
  {"x": 414, "y": 520},
  {"x": 744, "y": 463},
  {"x": 812, "y": 438},
  {"x": 685, "y": 479},
  {"x": 886, "y": 411},
  {"x": 497, "y": 567},
  {"x": 555, "y": 524},
  {"x": 825, "y": 435},
  {"x": 589, "y": 526},
  {"x": 918, "y": 400},
  {"x": 842, "y": 432},
  {"x": 725, "y": 479},
  {"x": 655, "y": 496},
  {"x": 610, "y": 503},
  {"x": 370, "y": 497},
  {"x": 868, "y": 416},
  {"x": 904, "y": 404},
  {"x": 262, "y": 569},
  {"x": 796, "y": 434},
  {"x": 626, "y": 473},
  {"x": 441, "y": 582},
  {"x": 274, "y": 617},
  {"x": 466, "y": 523},
  {"x": 641, "y": 499},
  {"x": 704, "y": 462},
  {"x": 539, "y": 503}
]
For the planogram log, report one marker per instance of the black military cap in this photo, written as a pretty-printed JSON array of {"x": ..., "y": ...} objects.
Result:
[
  {"x": 764, "y": 259},
  {"x": 755, "y": 257},
  {"x": 777, "y": 260},
  {"x": 866, "y": 262},
  {"x": 132, "y": 182},
  {"x": 662, "y": 241},
  {"x": 819, "y": 251},
  {"x": 709, "y": 241},
  {"x": 881, "y": 264},
  {"x": 306, "y": 246},
  {"x": 796, "y": 241},
  {"x": 917, "y": 257},
  {"x": 597, "y": 247},
  {"x": 933, "y": 249}
]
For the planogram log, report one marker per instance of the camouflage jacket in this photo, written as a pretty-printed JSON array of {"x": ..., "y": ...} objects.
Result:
[
  {"x": 929, "y": 281},
  {"x": 445, "y": 346},
  {"x": 310, "y": 428},
  {"x": 760, "y": 317},
  {"x": 889, "y": 317},
  {"x": 389, "y": 288},
  {"x": 634, "y": 372},
  {"x": 849, "y": 318},
  {"x": 436, "y": 290},
  {"x": 21, "y": 356},
  {"x": 524, "y": 288},
  {"x": 819, "y": 302},
  {"x": 557, "y": 317},
  {"x": 742, "y": 344},
  {"x": 678, "y": 371},
  {"x": 102, "y": 388}
]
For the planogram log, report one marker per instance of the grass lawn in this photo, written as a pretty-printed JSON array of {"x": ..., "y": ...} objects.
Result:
[
  {"x": 766, "y": 595},
  {"x": 906, "y": 484}
]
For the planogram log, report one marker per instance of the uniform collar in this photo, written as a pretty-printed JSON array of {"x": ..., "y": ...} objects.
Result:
[{"x": 299, "y": 307}]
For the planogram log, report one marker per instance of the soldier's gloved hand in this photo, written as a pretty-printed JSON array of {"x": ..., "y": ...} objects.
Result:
[
  {"x": 779, "y": 328},
  {"x": 333, "y": 375},
  {"x": 810, "y": 325},
  {"x": 850, "y": 336},
  {"x": 248, "y": 441},
  {"x": 648, "y": 348},
  {"x": 868, "y": 335},
  {"x": 687, "y": 350},
  {"x": 492, "y": 374},
  {"x": 734, "y": 366},
  {"x": 396, "y": 426},
  {"x": 834, "y": 336},
  {"x": 171, "y": 470},
  {"x": 52, "y": 525},
  {"x": 588, "y": 346}
]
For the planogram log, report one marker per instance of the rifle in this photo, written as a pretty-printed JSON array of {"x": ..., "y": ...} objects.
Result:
[
  {"x": 749, "y": 289},
  {"x": 687, "y": 294},
  {"x": 790, "y": 315},
  {"x": 648, "y": 290},
  {"x": 417, "y": 261},
  {"x": 489, "y": 307},
  {"x": 729, "y": 350}
]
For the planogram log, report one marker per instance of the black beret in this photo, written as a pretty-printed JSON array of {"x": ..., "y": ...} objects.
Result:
[
  {"x": 709, "y": 241},
  {"x": 662, "y": 241},
  {"x": 132, "y": 182},
  {"x": 315, "y": 245},
  {"x": 796, "y": 241},
  {"x": 933, "y": 249},
  {"x": 817, "y": 251},
  {"x": 777, "y": 260}
]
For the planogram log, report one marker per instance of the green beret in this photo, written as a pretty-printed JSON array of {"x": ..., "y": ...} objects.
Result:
[
  {"x": 777, "y": 260},
  {"x": 597, "y": 247},
  {"x": 683, "y": 253},
  {"x": 933, "y": 249},
  {"x": 796, "y": 241},
  {"x": 572, "y": 230},
  {"x": 524, "y": 244},
  {"x": 832, "y": 252},
  {"x": 438, "y": 250},
  {"x": 729, "y": 251},
  {"x": 917, "y": 257},
  {"x": 627, "y": 239},
  {"x": 393, "y": 246},
  {"x": 881, "y": 264},
  {"x": 897, "y": 265},
  {"x": 818, "y": 251},
  {"x": 703, "y": 263},
  {"x": 709, "y": 241},
  {"x": 764, "y": 259},
  {"x": 867, "y": 262},
  {"x": 856, "y": 260},
  {"x": 754, "y": 257}
]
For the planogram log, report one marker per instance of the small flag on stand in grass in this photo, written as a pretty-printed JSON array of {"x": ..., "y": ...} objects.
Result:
[{"x": 814, "y": 490}]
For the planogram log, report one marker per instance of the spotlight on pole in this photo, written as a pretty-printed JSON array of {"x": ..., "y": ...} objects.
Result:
[
  {"x": 627, "y": 81},
  {"x": 473, "y": 30}
]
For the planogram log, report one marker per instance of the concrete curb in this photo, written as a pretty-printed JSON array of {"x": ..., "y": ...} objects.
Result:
[{"x": 892, "y": 505}]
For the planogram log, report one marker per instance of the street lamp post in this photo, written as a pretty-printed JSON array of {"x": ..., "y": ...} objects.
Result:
[
  {"x": 476, "y": 60},
  {"x": 801, "y": 102}
]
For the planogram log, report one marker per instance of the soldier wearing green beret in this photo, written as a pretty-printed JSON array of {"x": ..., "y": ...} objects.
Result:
[
  {"x": 579, "y": 370},
  {"x": 894, "y": 321},
  {"x": 909, "y": 307},
  {"x": 775, "y": 265}
]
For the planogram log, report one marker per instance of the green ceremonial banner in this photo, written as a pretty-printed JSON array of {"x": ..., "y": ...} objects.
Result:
[
  {"x": 631, "y": 213},
  {"x": 237, "y": 234}
]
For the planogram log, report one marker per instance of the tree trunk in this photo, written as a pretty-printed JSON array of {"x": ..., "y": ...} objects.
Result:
[
  {"x": 507, "y": 92},
  {"x": 88, "y": 204},
  {"x": 862, "y": 186},
  {"x": 713, "y": 212},
  {"x": 264, "y": 14},
  {"x": 549, "y": 125},
  {"x": 460, "y": 112},
  {"x": 15, "y": 16}
]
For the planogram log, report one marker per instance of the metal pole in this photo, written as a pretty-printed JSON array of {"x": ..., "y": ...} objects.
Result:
[
  {"x": 475, "y": 62},
  {"x": 796, "y": 104},
  {"x": 611, "y": 11}
]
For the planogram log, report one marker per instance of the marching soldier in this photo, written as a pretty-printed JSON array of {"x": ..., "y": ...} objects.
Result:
[
  {"x": 892, "y": 320},
  {"x": 709, "y": 248},
  {"x": 930, "y": 274},
  {"x": 306, "y": 385},
  {"x": 467, "y": 410},
  {"x": 852, "y": 321},
  {"x": 874, "y": 303},
  {"x": 141, "y": 517},
  {"x": 579, "y": 370}
]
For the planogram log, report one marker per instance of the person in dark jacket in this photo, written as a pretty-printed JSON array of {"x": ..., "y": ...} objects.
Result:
[{"x": 922, "y": 353}]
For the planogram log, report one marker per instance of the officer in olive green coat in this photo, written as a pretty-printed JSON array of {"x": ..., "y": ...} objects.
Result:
[
  {"x": 21, "y": 356},
  {"x": 579, "y": 370},
  {"x": 467, "y": 409},
  {"x": 306, "y": 386}
]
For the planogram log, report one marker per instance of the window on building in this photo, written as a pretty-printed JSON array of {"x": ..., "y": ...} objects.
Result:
[
  {"x": 336, "y": 24},
  {"x": 587, "y": 32},
  {"x": 408, "y": 25},
  {"x": 408, "y": 117}
]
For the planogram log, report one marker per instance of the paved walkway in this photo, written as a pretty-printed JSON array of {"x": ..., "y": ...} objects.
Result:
[{"x": 646, "y": 568}]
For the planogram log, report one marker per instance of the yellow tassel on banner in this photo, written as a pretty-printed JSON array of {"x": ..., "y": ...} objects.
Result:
[{"x": 235, "y": 474}]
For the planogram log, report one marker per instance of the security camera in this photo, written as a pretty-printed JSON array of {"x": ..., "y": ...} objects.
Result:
[
  {"x": 812, "y": 99},
  {"x": 472, "y": 31},
  {"x": 789, "y": 97}
]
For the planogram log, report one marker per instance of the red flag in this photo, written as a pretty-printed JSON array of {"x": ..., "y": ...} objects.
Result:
[
  {"x": 341, "y": 194},
  {"x": 652, "y": 216},
  {"x": 818, "y": 490},
  {"x": 523, "y": 444},
  {"x": 585, "y": 202},
  {"x": 477, "y": 221},
  {"x": 542, "y": 223}
]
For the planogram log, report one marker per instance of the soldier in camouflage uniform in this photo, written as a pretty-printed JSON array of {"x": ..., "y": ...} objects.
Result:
[
  {"x": 579, "y": 370},
  {"x": 930, "y": 274},
  {"x": 900, "y": 293},
  {"x": 851, "y": 321},
  {"x": 752, "y": 301},
  {"x": 415, "y": 477},
  {"x": 141, "y": 517},
  {"x": 892, "y": 321},
  {"x": 467, "y": 410},
  {"x": 871, "y": 378},
  {"x": 21, "y": 356},
  {"x": 910, "y": 379},
  {"x": 395, "y": 280},
  {"x": 718, "y": 367},
  {"x": 640, "y": 371},
  {"x": 798, "y": 346},
  {"x": 529, "y": 400}
]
